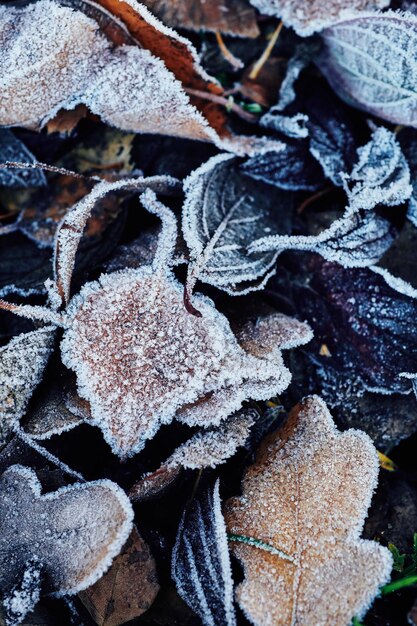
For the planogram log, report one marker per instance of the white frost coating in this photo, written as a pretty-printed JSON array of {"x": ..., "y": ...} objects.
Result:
[
  {"x": 71, "y": 228},
  {"x": 354, "y": 240},
  {"x": 371, "y": 63},
  {"x": 73, "y": 533},
  {"x": 309, "y": 16},
  {"x": 212, "y": 447},
  {"x": 220, "y": 218},
  {"x": 201, "y": 565},
  {"x": 307, "y": 495},
  {"x": 22, "y": 363},
  {"x": 294, "y": 126},
  {"x": 395, "y": 282},
  {"x": 381, "y": 174},
  {"x": 302, "y": 57},
  {"x": 23, "y": 597},
  {"x": 29, "y": 441}
]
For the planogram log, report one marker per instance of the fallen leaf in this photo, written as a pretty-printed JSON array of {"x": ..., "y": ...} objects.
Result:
[
  {"x": 223, "y": 212},
  {"x": 233, "y": 17},
  {"x": 70, "y": 536},
  {"x": 305, "y": 499},
  {"x": 22, "y": 363},
  {"x": 309, "y": 16},
  {"x": 369, "y": 62},
  {"x": 127, "y": 589},
  {"x": 200, "y": 560}
]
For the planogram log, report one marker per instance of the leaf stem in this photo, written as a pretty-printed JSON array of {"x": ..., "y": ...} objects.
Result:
[
  {"x": 258, "y": 543},
  {"x": 407, "y": 581},
  {"x": 205, "y": 95},
  {"x": 266, "y": 53},
  {"x": 229, "y": 56}
]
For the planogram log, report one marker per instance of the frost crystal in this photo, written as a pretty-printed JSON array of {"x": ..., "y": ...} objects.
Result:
[
  {"x": 308, "y": 515},
  {"x": 200, "y": 561},
  {"x": 370, "y": 61},
  {"x": 12, "y": 149},
  {"x": 22, "y": 363},
  {"x": 72, "y": 534},
  {"x": 309, "y": 16}
]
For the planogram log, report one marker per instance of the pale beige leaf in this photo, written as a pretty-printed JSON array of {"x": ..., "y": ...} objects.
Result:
[
  {"x": 309, "y": 16},
  {"x": 307, "y": 495}
]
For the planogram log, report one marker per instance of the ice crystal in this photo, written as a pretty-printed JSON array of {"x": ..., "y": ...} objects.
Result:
[
  {"x": 200, "y": 561},
  {"x": 308, "y": 17},
  {"x": 309, "y": 515},
  {"x": 22, "y": 363},
  {"x": 370, "y": 61},
  {"x": 71, "y": 534}
]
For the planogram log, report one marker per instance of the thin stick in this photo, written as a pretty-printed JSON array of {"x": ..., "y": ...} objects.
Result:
[
  {"x": 232, "y": 106},
  {"x": 312, "y": 198},
  {"x": 229, "y": 56},
  {"x": 266, "y": 53},
  {"x": 18, "y": 165}
]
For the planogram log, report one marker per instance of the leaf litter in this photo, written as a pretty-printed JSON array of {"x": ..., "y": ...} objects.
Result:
[{"x": 168, "y": 301}]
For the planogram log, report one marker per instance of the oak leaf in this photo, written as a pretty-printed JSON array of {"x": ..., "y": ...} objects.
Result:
[
  {"x": 305, "y": 499},
  {"x": 67, "y": 538}
]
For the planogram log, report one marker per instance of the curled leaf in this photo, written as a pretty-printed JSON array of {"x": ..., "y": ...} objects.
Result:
[{"x": 200, "y": 560}]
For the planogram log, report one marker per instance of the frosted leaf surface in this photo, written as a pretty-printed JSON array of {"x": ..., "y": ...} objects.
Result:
[
  {"x": 381, "y": 174},
  {"x": 294, "y": 126},
  {"x": 222, "y": 214},
  {"x": 200, "y": 560},
  {"x": 12, "y": 149},
  {"x": 296, "y": 64},
  {"x": 408, "y": 142},
  {"x": 234, "y": 17},
  {"x": 370, "y": 62},
  {"x": 22, "y": 363},
  {"x": 209, "y": 448},
  {"x": 357, "y": 239},
  {"x": 309, "y": 16},
  {"x": 55, "y": 53},
  {"x": 141, "y": 359},
  {"x": 313, "y": 513},
  {"x": 72, "y": 534}
]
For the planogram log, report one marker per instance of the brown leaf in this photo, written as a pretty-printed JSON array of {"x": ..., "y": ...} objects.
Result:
[
  {"x": 129, "y": 587},
  {"x": 233, "y": 17},
  {"x": 304, "y": 501}
]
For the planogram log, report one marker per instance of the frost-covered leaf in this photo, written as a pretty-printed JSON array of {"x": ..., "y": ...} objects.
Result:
[
  {"x": 370, "y": 62},
  {"x": 408, "y": 143},
  {"x": 69, "y": 61},
  {"x": 292, "y": 169},
  {"x": 381, "y": 174},
  {"x": 222, "y": 213},
  {"x": 211, "y": 447},
  {"x": 234, "y": 17},
  {"x": 193, "y": 367},
  {"x": 22, "y": 363},
  {"x": 69, "y": 536},
  {"x": 357, "y": 239},
  {"x": 200, "y": 561},
  {"x": 308, "y": 514},
  {"x": 335, "y": 132},
  {"x": 51, "y": 414},
  {"x": 309, "y": 16},
  {"x": 12, "y": 149},
  {"x": 127, "y": 589},
  {"x": 364, "y": 323}
]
